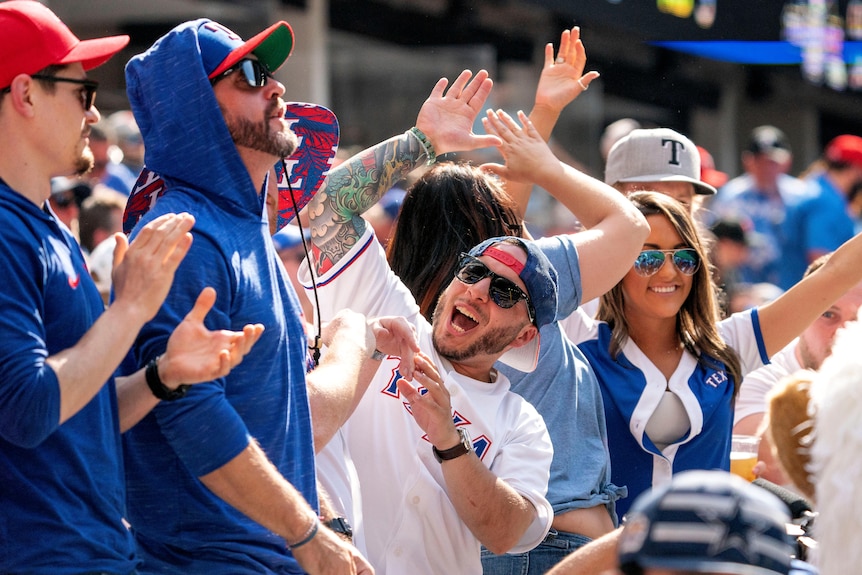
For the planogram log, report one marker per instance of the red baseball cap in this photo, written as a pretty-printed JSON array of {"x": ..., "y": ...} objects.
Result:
[
  {"x": 708, "y": 173},
  {"x": 34, "y": 38},
  {"x": 846, "y": 149}
]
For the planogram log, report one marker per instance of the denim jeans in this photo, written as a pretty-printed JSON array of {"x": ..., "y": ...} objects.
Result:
[{"x": 537, "y": 561}]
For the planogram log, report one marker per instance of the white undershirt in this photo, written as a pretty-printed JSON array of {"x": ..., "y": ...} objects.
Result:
[{"x": 669, "y": 422}]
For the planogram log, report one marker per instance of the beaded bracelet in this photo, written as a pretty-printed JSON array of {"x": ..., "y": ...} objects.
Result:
[
  {"x": 309, "y": 535},
  {"x": 426, "y": 144}
]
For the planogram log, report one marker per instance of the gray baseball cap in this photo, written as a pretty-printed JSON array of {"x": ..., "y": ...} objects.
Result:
[{"x": 656, "y": 155}]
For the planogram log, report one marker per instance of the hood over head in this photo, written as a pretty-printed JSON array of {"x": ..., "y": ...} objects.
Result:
[{"x": 186, "y": 139}]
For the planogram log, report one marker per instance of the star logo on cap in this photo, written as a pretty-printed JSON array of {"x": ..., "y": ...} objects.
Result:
[{"x": 740, "y": 533}]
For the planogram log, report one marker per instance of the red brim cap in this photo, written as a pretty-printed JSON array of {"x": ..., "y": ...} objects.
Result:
[
  {"x": 93, "y": 53},
  {"x": 34, "y": 38},
  {"x": 846, "y": 149},
  {"x": 714, "y": 178},
  {"x": 272, "y": 46}
]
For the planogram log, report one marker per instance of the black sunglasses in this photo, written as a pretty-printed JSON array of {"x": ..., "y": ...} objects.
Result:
[
  {"x": 503, "y": 291},
  {"x": 88, "y": 92},
  {"x": 649, "y": 262},
  {"x": 254, "y": 72}
]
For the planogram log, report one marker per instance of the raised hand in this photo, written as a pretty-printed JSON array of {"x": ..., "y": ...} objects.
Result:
[
  {"x": 563, "y": 79},
  {"x": 195, "y": 353},
  {"x": 144, "y": 271},
  {"x": 447, "y": 116},
  {"x": 525, "y": 151},
  {"x": 396, "y": 336},
  {"x": 432, "y": 410}
]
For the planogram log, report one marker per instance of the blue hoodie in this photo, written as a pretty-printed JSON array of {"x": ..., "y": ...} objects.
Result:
[
  {"x": 180, "y": 526},
  {"x": 61, "y": 486}
]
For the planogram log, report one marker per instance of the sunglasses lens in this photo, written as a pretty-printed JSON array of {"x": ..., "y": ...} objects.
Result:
[
  {"x": 686, "y": 261},
  {"x": 504, "y": 293},
  {"x": 254, "y": 72},
  {"x": 649, "y": 262},
  {"x": 89, "y": 96},
  {"x": 470, "y": 270}
]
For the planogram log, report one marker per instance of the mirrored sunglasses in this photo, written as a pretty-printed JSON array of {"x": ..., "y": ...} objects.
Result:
[
  {"x": 88, "y": 89},
  {"x": 503, "y": 291},
  {"x": 649, "y": 262},
  {"x": 254, "y": 72}
]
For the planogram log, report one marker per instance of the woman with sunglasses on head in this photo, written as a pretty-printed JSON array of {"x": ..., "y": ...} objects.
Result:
[{"x": 669, "y": 370}]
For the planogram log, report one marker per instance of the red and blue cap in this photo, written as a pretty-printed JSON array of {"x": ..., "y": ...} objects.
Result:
[{"x": 221, "y": 48}]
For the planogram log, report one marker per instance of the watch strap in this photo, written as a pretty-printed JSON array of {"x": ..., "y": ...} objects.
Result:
[
  {"x": 159, "y": 389},
  {"x": 340, "y": 525},
  {"x": 464, "y": 447}
]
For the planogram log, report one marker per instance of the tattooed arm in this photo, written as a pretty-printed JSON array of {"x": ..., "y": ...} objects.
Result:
[
  {"x": 352, "y": 188},
  {"x": 446, "y": 119}
]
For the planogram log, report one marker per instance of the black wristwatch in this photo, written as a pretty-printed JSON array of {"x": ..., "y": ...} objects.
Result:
[
  {"x": 466, "y": 446},
  {"x": 159, "y": 389},
  {"x": 340, "y": 525}
]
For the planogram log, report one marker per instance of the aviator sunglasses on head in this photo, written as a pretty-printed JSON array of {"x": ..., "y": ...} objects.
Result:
[
  {"x": 649, "y": 262},
  {"x": 254, "y": 72},
  {"x": 503, "y": 291}
]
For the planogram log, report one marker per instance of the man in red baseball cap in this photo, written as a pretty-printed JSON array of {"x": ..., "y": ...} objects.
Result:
[
  {"x": 822, "y": 222},
  {"x": 62, "y": 489}
]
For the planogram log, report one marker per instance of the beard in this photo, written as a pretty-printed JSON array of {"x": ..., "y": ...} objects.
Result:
[
  {"x": 260, "y": 137},
  {"x": 809, "y": 359},
  {"x": 85, "y": 162},
  {"x": 492, "y": 342}
]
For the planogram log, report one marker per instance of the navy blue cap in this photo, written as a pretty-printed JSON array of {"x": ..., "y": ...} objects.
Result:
[{"x": 707, "y": 521}]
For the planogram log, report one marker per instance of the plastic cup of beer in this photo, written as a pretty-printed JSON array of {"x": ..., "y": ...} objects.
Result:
[{"x": 743, "y": 455}]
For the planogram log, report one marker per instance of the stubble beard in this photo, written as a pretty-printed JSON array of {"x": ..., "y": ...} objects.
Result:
[
  {"x": 85, "y": 162},
  {"x": 492, "y": 342},
  {"x": 259, "y": 136},
  {"x": 808, "y": 359}
]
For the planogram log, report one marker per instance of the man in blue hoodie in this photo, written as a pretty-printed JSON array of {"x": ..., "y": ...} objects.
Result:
[
  {"x": 223, "y": 481},
  {"x": 61, "y": 409}
]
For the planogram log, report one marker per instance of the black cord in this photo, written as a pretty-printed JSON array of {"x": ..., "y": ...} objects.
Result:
[{"x": 315, "y": 349}]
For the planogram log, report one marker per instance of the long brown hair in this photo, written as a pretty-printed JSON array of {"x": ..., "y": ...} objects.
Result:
[
  {"x": 697, "y": 320},
  {"x": 450, "y": 209}
]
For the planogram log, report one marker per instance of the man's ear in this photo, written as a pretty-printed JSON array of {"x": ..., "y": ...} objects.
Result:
[
  {"x": 525, "y": 336},
  {"x": 20, "y": 95}
]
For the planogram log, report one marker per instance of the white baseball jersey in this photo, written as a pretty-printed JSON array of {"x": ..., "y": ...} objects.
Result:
[
  {"x": 410, "y": 525},
  {"x": 758, "y": 383}
]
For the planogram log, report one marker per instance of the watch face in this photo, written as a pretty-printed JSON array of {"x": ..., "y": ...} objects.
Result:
[{"x": 466, "y": 440}]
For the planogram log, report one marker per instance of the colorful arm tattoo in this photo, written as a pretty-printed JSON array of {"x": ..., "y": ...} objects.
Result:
[{"x": 353, "y": 187}]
